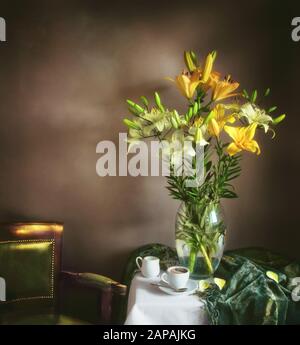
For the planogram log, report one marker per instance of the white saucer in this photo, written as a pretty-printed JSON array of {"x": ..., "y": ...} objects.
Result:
[{"x": 192, "y": 286}]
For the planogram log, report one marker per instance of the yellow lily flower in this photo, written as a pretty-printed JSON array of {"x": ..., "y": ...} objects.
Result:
[
  {"x": 243, "y": 139},
  {"x": 219, "y": 119},
  {"x": 187, "y": 83},
  {"x": 223, "y": 88}
]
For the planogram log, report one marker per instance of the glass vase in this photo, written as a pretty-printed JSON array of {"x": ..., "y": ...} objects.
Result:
[{"x": 200, "y": 235}]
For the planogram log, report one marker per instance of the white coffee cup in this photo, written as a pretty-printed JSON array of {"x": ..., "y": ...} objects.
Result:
[
  {"x": 149, "y": 266},
  {"x": 176, "y": 276}
]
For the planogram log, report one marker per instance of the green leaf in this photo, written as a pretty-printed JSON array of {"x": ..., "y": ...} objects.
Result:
[
  {"x": 254, "y": 96},
  {"x": 208, "y": 165},
  {"x": 270, "y": 110},
  {"x": 229, "y": 194},
  {"x": 267, "y": 92},
  {"x": 245, "y": 94}
]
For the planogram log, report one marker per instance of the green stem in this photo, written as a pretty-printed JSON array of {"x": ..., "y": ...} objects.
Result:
[
  {"x": 207, "y": 259},
  {"x": 192, "y": 260}
]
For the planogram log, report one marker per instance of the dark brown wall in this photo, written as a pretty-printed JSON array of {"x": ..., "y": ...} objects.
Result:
[{"x": 65, "y": 72}]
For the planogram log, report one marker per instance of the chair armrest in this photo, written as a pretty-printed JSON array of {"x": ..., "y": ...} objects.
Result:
[{"x": 92, "y": 297}]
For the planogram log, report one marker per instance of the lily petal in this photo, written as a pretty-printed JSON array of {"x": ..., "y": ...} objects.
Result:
[
  {"x": 232, "y": 149},
  {"x": 232, "y": 132}
]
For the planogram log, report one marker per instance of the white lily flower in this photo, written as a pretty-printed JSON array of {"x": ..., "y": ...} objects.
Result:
[
  {"x": 180, "y": 151},
  {"x": 158, "y": 120},
  {"x": 255, "y": 115}
]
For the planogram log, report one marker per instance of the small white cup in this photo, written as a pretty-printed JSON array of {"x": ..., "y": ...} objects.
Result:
[
  {"x": 149, "y": 266},
  {"x": 176, "y": 276}
]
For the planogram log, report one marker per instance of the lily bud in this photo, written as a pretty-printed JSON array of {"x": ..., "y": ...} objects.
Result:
[
  {"x": 278, "y": 119},
  {"x": 194, "y": 58},
  {"x": 135, "y": 108},
  {"x": 214, "y": 55},
  {"x": 158, "y": 102},
  {"x": 189, "y": 114},
  {"x": 207, "y": 68},
  {"x": 174, "y": 122},
  {"x": 198, "y": 135},
  {"x": 189, "y": 61},
  {"x": 131, "y": 124},
  {"x": 177, "y": 117},
  {"x": 209, "y": 117},
  {"x": 195, "y": 108},
  {"x": 145, "y": 101}
]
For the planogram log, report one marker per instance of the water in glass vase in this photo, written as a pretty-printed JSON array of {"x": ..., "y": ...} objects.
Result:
[{"x": 200, "y": 232}]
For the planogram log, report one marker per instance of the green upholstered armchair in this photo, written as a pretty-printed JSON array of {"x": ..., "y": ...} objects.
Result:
[{"x": 34, "y": 290}]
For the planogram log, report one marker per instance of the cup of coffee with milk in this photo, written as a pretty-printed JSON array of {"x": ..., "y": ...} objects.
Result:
[{"x": 176, "y": 276}]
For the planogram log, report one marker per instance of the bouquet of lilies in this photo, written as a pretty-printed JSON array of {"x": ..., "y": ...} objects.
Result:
[{"x": 219, "y": 118}]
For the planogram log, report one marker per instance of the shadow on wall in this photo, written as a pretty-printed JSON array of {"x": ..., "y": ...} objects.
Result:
[{"x": 66, "y": 71}]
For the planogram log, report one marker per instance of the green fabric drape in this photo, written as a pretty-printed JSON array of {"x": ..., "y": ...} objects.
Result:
[{"x": 249, "y": 295}]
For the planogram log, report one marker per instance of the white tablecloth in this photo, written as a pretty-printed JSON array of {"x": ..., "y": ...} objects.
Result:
[{"x": 147, "y": 305}]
